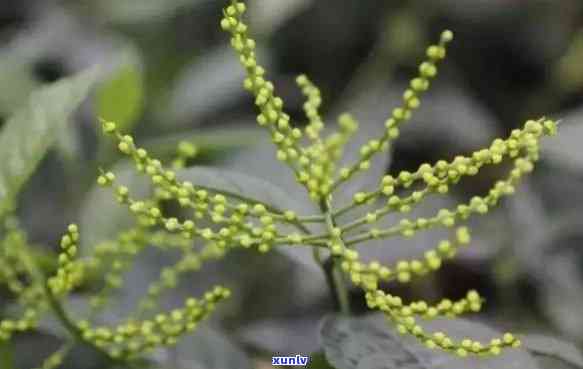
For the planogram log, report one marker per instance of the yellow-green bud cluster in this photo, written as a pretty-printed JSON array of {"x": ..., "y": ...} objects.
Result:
[
  {"x": 368, "y": 275},
  {"x": 313, "y": 165},
  {"x": 69, "y": 274},
  {"x": 30, "y": 296},
  {"x": 401, "y": 114},
  {"x": 272, "y": 114},
  {"x": 311, "y": 106},
  {"x": 239, "y": 223},
  {"x": 134, "y": 338},
  {"x": 190, "y": 261},
  {"x": 8, "y": 327},
  {"x": 225, "y": 220},
  {"x": 317, "y": 165},
  {"x": 406, "y": 316},
  {"x": 377, "y": 299},
  {"x": 522, "y": 146},
  {"x": 184, "y": 152}
]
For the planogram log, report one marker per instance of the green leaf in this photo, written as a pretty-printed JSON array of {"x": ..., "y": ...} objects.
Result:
[
  {"x": 360, "y": 343},
  {"x": 239, "y": 185},
  {"x": 121, "y": 97},
  {"x": 32, "y": 129},
  {"x": 555, "y": 348},
  {"x": 211, "y": 142}
]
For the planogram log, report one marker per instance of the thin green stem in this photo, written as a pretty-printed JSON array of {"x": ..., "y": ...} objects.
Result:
[
  {"x": 55, "y": 305},
  {"x": 354, "y": 205},
  {"x": 336, "y": 272}
]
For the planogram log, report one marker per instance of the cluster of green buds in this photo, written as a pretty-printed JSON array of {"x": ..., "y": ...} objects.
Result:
[
  {"x": 213, "y": 222},
  {"x": 13, "y": 266},
  {"x": 134, "y": 338},
  {"x": 314, "y": 163},
  {"x": 68, "y": 274}
]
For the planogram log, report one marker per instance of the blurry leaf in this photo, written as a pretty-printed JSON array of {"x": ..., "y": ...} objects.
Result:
[
  {"x": 30, "y": 132},
  {"x": 359, "y": 343},
  {"x": 211, "y": 82},
  {"x": 564, "y": 150},
  {"x": 562, "y": 288},
  {"x": 527, "y": 214},
  {"x": 554, "y": 347},
  {"x": 260, "y": 161},
  {"x": 120, "y": 97},
  {"x": 130, "y": 11},
  {"x": 17, "y": 81},
  {"x": 102, "y": 217},
  {"x": 556, "y": 265},
  {"x": 268, "y": 15},
  {"x": 210, "y": 349},
  {"x": 210, "y": 142},
  {"x": 239, "y": 184}
]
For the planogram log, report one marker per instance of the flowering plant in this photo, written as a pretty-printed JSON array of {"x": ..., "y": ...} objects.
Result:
[{"x": 226, "y": 221}]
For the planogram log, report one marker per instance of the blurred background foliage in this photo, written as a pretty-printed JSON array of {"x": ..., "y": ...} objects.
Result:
[{"x": 167, "y": 74}]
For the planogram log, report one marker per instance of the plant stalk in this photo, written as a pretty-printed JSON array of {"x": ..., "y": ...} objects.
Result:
[{"x": 334, "y": 272}]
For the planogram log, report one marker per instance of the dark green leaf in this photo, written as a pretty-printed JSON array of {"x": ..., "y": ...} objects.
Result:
[
  {"x": 31, "y": 131},
  {"x": 360, "y": 343}
]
